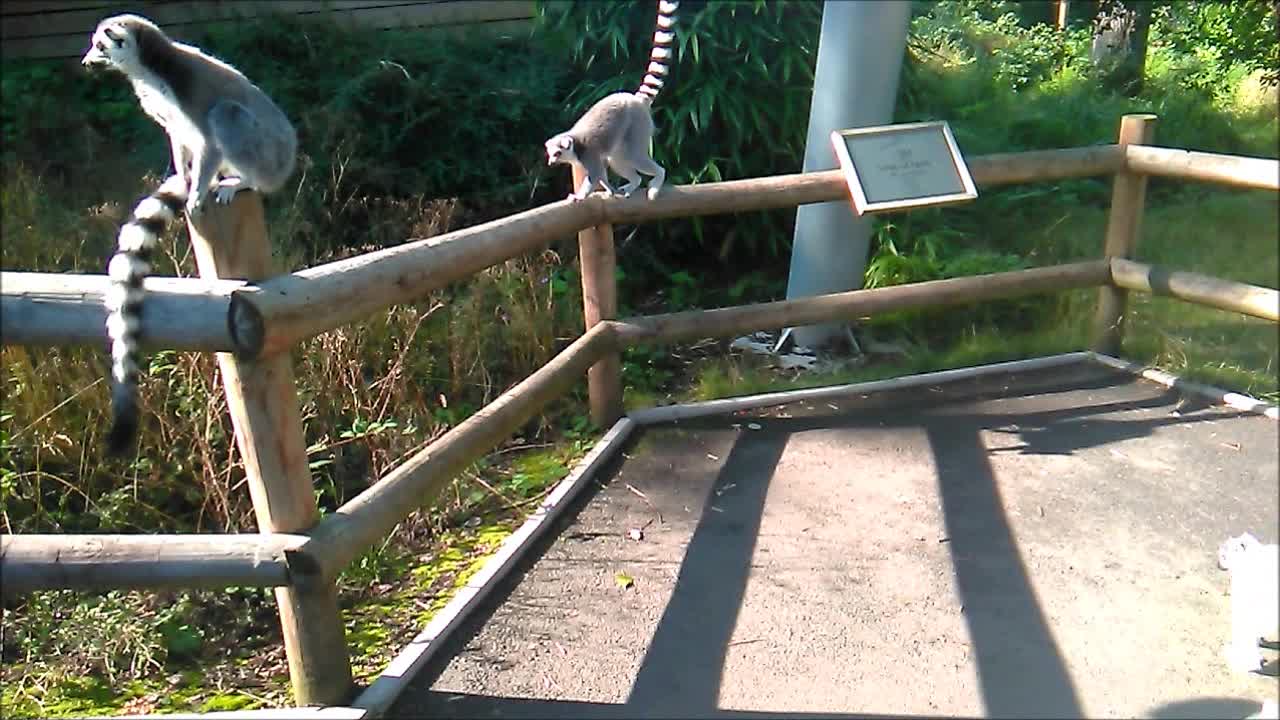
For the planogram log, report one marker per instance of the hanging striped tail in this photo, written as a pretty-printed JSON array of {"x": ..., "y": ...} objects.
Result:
[
  {"x": 663, "y": 36},
  {"x": 131, "y": 263}
]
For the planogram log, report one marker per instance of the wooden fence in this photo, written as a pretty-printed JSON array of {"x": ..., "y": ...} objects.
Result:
[
  {"x": 61, "y": 28},
  {"x": 254, "y": 321}
]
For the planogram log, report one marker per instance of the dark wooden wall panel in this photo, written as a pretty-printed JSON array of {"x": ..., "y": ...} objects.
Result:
[{"x": 61, "y": 28}]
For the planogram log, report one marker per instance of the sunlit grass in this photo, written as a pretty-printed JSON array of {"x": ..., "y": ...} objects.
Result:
[{"x": 1225, "y": 233}]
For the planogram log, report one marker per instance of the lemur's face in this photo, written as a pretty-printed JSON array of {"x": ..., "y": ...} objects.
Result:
[
  {"x": 560, "y": 150},
  {"x": 114, "y": 43}
]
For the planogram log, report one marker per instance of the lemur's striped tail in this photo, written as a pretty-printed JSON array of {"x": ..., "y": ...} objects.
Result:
[
  {"x": 131, "y": 263},
  {"x": 663, "y": 36}
]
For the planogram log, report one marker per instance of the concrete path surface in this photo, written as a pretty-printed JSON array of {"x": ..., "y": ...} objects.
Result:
[{"x": 1039, "y": 545}]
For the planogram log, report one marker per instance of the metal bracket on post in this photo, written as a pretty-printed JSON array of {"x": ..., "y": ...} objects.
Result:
[{"x": 787, "y": 338}]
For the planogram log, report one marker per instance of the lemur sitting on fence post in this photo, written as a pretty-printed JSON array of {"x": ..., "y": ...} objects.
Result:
[
  {"x": 225, "y": 134},
  {"x": 618, "y": 129}
]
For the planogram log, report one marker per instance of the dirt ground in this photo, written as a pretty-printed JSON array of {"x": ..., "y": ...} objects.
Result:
[{"x": 1039, "y": 545}]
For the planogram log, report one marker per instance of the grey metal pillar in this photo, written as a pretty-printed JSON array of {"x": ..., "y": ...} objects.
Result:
[{"x": 855, "y": 85}]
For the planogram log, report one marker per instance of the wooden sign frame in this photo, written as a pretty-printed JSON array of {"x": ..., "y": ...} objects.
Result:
[{"x": 894, "y": 167}]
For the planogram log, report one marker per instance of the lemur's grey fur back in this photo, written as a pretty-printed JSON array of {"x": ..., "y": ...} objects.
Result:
[
  {"x": 618, "y": 130},
  {"x": 225, "y": 135}
]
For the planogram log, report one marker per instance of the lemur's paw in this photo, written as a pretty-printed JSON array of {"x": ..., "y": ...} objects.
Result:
[
  {"x": 224, "y": 194},
  {"x": 225, "y": 191}
]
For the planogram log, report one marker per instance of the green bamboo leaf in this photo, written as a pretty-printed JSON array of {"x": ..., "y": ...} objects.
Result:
[
  {"x": 740, "y": 132},
  {"x": 692, "y": 115},
  {"x": 760, "y": 66},
  {"x": 705, "y": 107}
]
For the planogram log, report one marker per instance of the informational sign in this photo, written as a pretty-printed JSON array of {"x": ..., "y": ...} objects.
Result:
[{"x": 893, "y": 167}]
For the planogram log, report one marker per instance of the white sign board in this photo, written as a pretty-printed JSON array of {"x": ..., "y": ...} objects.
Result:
[{"x": 892, "y": 167}]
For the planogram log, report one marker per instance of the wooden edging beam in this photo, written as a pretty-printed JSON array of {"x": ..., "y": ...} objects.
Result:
[
  {"x": 51, "y": 309},
  {"x": 724, "y": 322},
  {"x": 378, "y": 698},
  {"x": 686, "y": 411},
  {"x": 367, "y": 518},
  {"x": 1254, "y": 300},
  {"x": 101, "y": 562},
  {"x": 300, "y": 305},
  {"x": 1233, "y": 400},
  {"x": 1236, "y": 170},
  {"x": 329, "y": 712}
]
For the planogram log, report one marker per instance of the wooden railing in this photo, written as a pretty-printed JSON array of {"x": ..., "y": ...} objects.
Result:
[{"x": 255, "y": 321}]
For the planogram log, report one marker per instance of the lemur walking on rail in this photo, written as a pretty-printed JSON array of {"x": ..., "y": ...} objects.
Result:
[
  {"x": 225, "y": 134},
  {"x": 618, "y": 129}
]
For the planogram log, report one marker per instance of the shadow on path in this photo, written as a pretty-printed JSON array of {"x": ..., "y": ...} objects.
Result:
[
  {"x": 682, "y": 667},
  {"x": 1020, "y": 668}
]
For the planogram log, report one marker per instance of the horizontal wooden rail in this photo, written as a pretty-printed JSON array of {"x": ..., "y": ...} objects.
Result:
[
  {"x": 181, "y": 313},
  {"x": 99, "y": 562},
  {"x": 322, "y": 298},
  {"x": 1043, "y": 165},
  {"x": 1238, "y": 170},
  {"x": 1255, "y": 300},
  {"x": 346, "y": 533},
  {"x": 726, "y": 322},
  {"x": 308, "y": 302}
]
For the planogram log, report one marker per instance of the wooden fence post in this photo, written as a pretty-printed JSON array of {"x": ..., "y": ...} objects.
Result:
[
  {"x": 231, "y": 242},
  {"x": 1124, "y": 223},
  {"x": 600, "y": 302}
]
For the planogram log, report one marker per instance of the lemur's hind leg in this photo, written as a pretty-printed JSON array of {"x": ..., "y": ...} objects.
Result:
[
  {"x": 645, "y": 164},
  {"x": 243, "y": 141},
  {"x": 626, "y": 171}
]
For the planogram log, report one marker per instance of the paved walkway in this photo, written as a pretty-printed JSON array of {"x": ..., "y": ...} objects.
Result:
[{"x": 1011, "y": 546}]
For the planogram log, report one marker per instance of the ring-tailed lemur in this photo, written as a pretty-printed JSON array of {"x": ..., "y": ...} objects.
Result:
[
  {"x": 1255, "y": 599},
  {"x": 618, "y": 129},
  {"x": 225, "y": 134},
  {"x": 1270, "y": 710}
]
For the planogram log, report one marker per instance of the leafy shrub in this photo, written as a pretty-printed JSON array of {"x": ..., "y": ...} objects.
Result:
[
  {"x": 390, "y": 128},
  {"x": 712, "y": 124},
  {"x": 1220, "y": 35}
]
